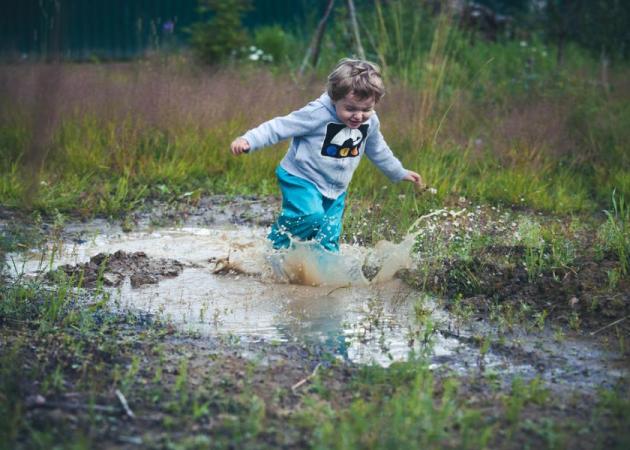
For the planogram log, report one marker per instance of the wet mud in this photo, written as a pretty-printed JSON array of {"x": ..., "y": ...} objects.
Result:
[
  {"x": 377, "y": 304},
  {"x": 564, "y": 294},
  {"x": 113, "y": 269}
]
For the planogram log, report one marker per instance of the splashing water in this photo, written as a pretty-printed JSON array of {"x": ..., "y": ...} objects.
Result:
[
  {"x": 307, "y": 264},
  {"x": 245, "y": 250},
  {"x": 229, "y": 285}
]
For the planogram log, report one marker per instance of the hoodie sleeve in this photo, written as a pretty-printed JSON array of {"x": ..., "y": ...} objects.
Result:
[
  {"x": 381, "y": 155},
  {"x": 298, "y": 123}
]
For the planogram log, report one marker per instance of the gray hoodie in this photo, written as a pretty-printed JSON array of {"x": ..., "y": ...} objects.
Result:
[{"x": 323, "y": 150}]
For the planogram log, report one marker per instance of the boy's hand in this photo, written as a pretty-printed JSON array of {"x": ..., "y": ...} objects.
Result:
[
  {"x": 239, "y": 145},
  {"x": 415, "y": 179}
]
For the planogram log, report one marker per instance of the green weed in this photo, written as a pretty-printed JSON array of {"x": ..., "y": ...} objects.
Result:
[
  {"x": 415, "y": 416},
  {"x": 12, "y": 406},
  {"x": 507, "y": 315},
  {"x": 561, "y": 249},
  {"x": 575, "y": 321},
  {"x": 614, "y": 410},
  {"x": 466, "y": 113},
  {"x": 539, "y": 319},
  {"x": 461, "y": 311},
  {"x": 531, "y": 235},
  {"x": 614, "y": 234},
  {"x": 547, "y": 429},
  {"x": 614, "y": 276},
  {"x": 522, "y": 394}
]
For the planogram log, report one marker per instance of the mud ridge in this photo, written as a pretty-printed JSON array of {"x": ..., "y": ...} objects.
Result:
[
  {"x": 566, "y": 291},
  {"x": 112, "y": 269}
]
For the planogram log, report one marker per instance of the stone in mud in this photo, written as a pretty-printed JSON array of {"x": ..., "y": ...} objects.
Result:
[
  {"x": 112, "y": 279},
  {"x": 112, "y": 269},
  {"x": 370, "y": 271}
]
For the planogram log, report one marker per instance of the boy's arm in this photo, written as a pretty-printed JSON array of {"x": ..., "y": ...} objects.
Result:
[
  {"x": 381, "y": 155},
  {"x": 297, "y": 123}
]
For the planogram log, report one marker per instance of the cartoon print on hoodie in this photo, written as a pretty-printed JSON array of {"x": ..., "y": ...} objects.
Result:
[{"x": 343, "y": 142}]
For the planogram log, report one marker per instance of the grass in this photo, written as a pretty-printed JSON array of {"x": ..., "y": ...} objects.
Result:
[
  {"x": 496, "y": 122},
  {"x": 560, "y": 151},
  {"x": 614, "y": 233},
  {"x": 188, "y": 394},
  {"x": 413, "y": 416}
]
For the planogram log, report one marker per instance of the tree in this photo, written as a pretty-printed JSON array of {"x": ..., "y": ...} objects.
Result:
[
  {"x": 355, "y": 29},
  {"x": 312, "y": 53},
  {"x": 601, "y": 26}
]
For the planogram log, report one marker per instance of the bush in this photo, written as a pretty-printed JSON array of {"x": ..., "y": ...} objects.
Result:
[
  {"x": 223, "y": 34},
  {"x": 273, "y": 41}
]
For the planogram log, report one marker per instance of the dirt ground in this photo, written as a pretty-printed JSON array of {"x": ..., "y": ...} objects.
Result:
[
  {"x": 562, "y": 293},
  {"x": 185, "y": 390}
]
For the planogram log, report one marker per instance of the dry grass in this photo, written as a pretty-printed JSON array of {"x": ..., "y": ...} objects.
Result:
[
  {"x": 182, "y": 96},
  {"x": 146, "y": 122},
  {"x": 164, "y": 97}
]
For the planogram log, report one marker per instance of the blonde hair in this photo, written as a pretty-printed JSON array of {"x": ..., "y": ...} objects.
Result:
[{"x": 361, "y": 78}]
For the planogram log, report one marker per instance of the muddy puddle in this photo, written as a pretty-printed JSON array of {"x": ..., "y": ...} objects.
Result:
[{"x": 224, "y": 280}]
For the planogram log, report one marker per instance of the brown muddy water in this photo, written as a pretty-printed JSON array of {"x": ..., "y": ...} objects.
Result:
[{"x": 219, "y": 280}]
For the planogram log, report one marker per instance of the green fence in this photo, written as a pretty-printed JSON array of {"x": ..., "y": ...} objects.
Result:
[{"x": 117, "y": 29}]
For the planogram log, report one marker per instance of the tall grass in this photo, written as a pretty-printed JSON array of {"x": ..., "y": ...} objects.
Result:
[
  {"x": 492, "y": 121},
  {"x": 614, "y": 234}
]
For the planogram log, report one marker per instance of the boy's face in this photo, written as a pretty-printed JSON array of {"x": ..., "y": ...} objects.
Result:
[{"x": 353, "y": 111}]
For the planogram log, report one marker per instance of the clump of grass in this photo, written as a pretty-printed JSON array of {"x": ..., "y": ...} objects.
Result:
[
  {"x": 522, "y": 394},
  {"x": 417, "y": 415},
  {"x": 530, "y": 233},
  {"x": 614, "y": 234},
  {"x": 615, "y": 409},
  {"x": 546, "y": 248}
]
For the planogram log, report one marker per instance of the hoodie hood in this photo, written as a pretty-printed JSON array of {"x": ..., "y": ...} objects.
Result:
[{"x": 328, "y": 104}]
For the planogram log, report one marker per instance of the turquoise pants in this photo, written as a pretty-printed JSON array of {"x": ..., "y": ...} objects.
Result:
[{"x": 306, "y": 214}]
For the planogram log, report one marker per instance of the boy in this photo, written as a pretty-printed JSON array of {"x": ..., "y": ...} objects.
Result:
[{"x": 330, "y": 136}]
